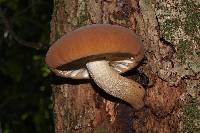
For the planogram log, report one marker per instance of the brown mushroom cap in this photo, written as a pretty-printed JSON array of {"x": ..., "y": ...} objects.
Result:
[{"x": 113, "y": 43}]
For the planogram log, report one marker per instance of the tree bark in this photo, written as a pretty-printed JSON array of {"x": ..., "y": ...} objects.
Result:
[{"x": 169, "y": 72}]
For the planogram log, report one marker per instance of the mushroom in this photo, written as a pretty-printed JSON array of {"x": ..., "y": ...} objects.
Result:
[{"x": 102, "y": 52}]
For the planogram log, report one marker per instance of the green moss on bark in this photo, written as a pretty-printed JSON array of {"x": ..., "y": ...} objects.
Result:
[
  {"x": 191, "y": 115},
  {"x": 180, "y": 26}
]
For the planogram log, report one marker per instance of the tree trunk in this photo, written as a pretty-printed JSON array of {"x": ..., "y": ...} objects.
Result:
[{"x": 170, "y": 71}]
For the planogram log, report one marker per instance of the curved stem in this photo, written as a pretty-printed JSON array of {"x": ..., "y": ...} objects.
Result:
[{"x": 114, "y": 84}]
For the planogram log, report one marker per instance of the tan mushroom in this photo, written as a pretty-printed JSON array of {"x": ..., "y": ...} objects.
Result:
[{"x": 102, "y": 52}]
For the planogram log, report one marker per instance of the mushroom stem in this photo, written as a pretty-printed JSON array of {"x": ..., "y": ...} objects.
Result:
[{"x": 114, "y": 84}]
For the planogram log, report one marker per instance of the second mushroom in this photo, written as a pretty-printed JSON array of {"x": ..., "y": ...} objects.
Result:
[{"x": 102, "y": 52}]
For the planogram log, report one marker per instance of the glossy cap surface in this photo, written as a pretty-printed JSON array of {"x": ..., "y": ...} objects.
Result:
[{"x": 95, "y": 42}]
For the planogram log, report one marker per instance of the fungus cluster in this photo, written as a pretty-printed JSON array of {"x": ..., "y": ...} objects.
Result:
[{"x": 101, "y": 52}]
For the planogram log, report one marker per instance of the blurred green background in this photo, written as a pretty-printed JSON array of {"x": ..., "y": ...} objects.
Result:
[{"x": 25, "y": 92}]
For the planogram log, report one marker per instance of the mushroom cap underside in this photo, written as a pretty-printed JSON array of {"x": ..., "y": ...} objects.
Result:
[{"x": 113, "y": 43}]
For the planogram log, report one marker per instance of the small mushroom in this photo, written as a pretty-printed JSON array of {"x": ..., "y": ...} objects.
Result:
[{"x": 102, "y": 52}]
